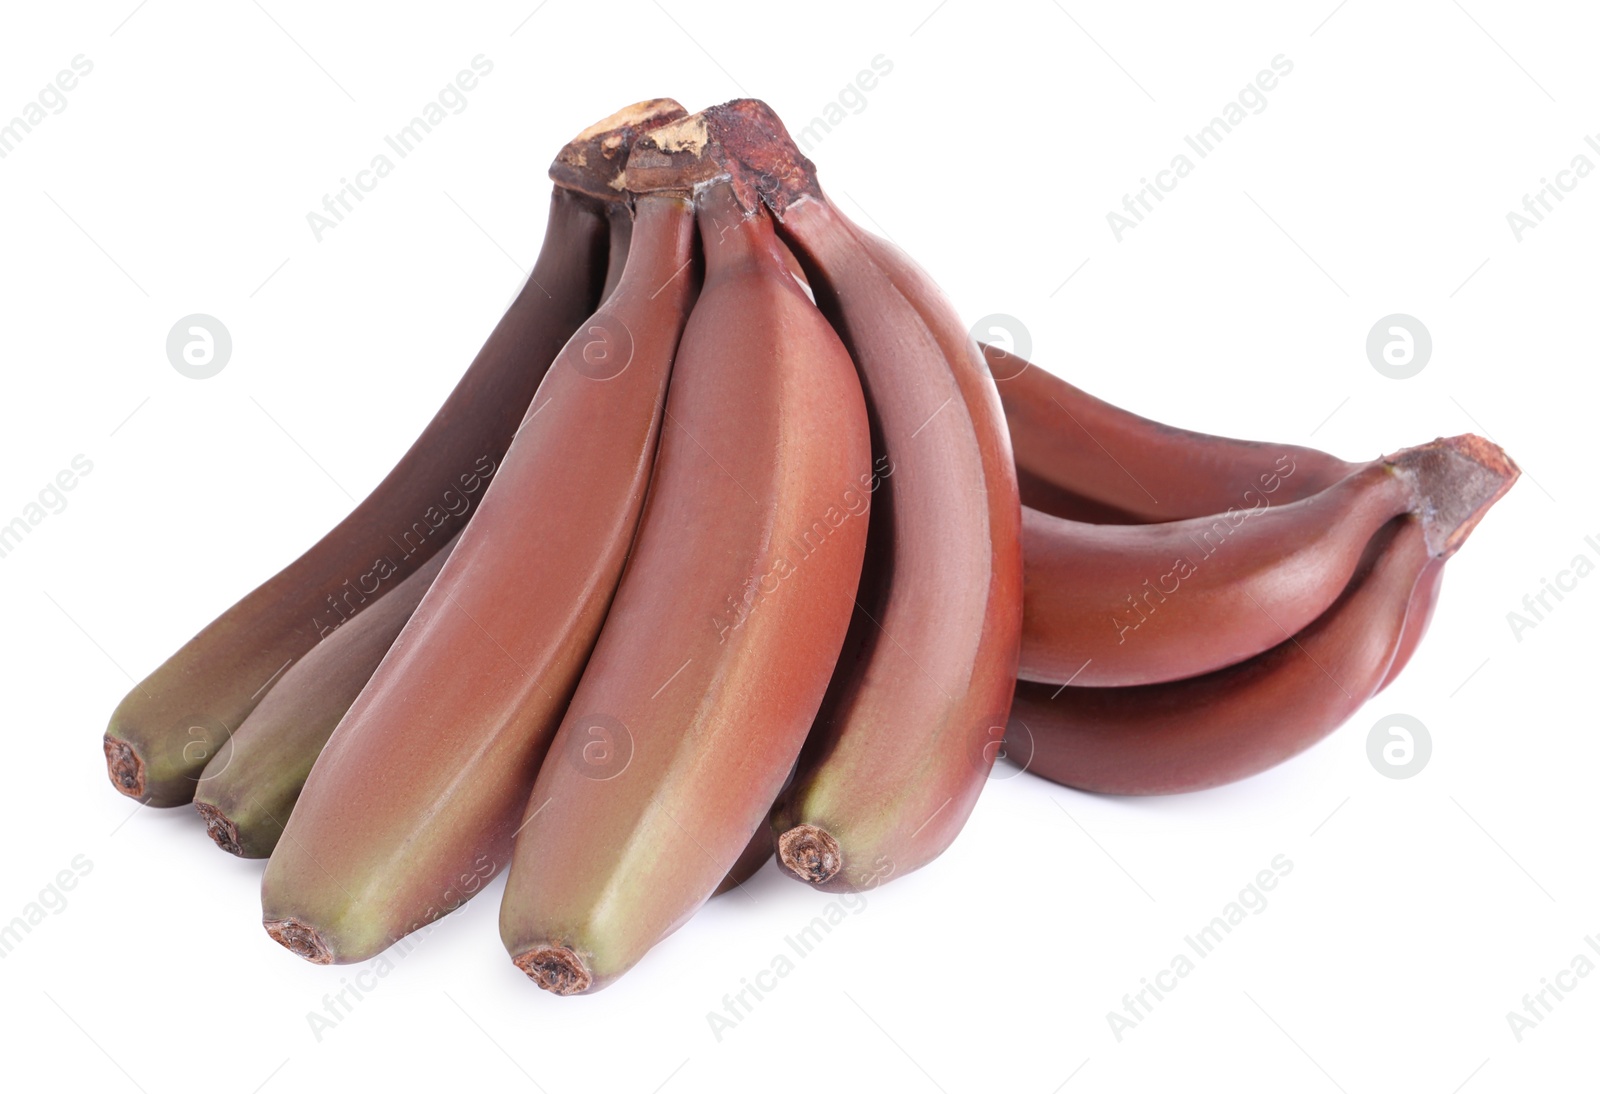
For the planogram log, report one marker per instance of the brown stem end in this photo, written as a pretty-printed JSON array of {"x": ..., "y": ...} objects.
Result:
[
  {"x": 300, "y": 938},
  {"x": 1458, "y": 479},
  {"x": 810, "y": 853},
  {"x": 124, "y": 767},
  {"x": 592, "y": 162},
  {"x": 556, "y": 969},
  {"x": 753, "y": 134},
  {"x": 742, "y": 141}
]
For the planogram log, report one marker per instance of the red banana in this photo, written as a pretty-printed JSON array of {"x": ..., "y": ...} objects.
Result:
[
  {"x": 911, "y": 723},
  {"x": 1083, "y": 458},
  {"x": 730, "y": 618},
  {"x": 1117, "y": 605}
]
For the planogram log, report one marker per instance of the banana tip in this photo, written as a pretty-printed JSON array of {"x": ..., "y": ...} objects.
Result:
[
  {"x": 124, "y": 767},
  {"x": 556, "y": 969},
  {"x": 810, "y": 853},
  {"x": 223, "y": 832},
  {"x": 300, "y": 938}
]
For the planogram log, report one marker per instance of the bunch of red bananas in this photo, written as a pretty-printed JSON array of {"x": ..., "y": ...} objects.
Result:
[{"x": 753, "y": 575}]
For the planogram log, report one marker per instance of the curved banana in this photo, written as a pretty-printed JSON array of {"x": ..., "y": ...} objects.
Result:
[
  {"x": 1226, "y": 725},
  {"x": 728, "y": 623},
  {"x": 248, "y": 789},
  {"x": 905, "y": 738},
  {"x": 1083, "y": 458},
  {"x": 1120, "y": 605},
  {"x": 173, "y": 722},
  {"x": 417, "y": 795}
]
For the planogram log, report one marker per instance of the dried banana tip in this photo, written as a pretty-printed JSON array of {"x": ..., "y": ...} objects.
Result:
[
  {"x": 300, "y": 938},
  {"x": 556, "y": 969},
  {"x": 810, "y": 853},
  {"x": 223, "y": 832},
  {"x": 124, "y": 767}
]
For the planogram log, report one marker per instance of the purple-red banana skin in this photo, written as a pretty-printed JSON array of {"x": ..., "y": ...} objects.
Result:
[
  {"x": 621, "y": 235},
  {"x": 1121, "y": 605},
  {"x": 175, "y": 720},
  {"x": 1424, "y": 600},
  {"x": 419, "y": 791},
  {"x": 249, "y": 789},
  {"x": 901, "y": 734},
  {"x": 994, "y": 661},
  {"x": 1038, "y": 493},
  {"x": 727, "y": 625},
  {"x": 913, "y": 716},
  {"x": 1085, "y": 459},
  {"x": 1227, "y": 725},
  {"x": 750, "y": 861}
]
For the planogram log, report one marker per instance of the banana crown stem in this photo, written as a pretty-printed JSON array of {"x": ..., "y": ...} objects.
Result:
[{"x": 1456, "y": 480}]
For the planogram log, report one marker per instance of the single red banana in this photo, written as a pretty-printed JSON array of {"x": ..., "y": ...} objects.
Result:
[
  {"x": 911, "y": 723},
  {"x": 420, "y": 789},
  {"x": 729, "y": 620},
  {"x": 1120, "y": 605},
  {"x": 1083, "y": 458}
]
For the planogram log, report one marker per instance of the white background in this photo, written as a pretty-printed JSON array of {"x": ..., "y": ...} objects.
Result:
[{"x": 1377, "y": 180}]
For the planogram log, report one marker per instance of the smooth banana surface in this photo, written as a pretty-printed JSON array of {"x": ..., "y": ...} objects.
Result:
[{"x": 727, "y": 625}]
